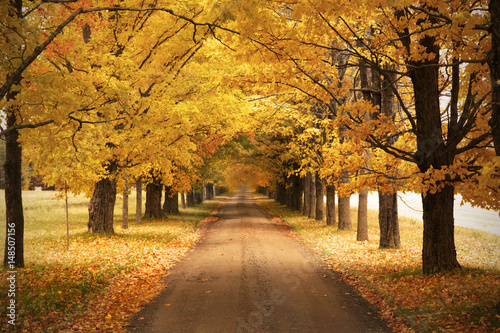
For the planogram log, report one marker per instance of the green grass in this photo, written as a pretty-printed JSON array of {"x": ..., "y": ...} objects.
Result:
[{"x": 392, "y": 280}]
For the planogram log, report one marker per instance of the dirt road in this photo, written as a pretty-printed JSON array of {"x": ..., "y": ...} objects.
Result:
[{"x": 246, "y": 276}]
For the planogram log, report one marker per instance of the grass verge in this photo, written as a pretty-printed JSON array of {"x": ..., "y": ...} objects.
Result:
[
  {"x": 101, "y": 280},
  {"x": 392, "y": 280}
]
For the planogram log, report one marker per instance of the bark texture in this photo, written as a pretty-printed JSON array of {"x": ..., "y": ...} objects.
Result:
[
  {"x": 345, "y": 222},
  {"x": 362, "y": 230},
  {"x": 171, "y": 204},
  {"x": 307, "y": 195},
  {"x": 320, "y": 201},
  {"x": 331, "y": 215},
  {"x": 153, "y": 200},
  {"x": 125, "y": 205},
  {"x": 14, "y": 236},
  {"x": 312, "y": 196},
  {"x": 439, "y": 253},
  {"x": 494, "y": 63},
  {"x": 138, "y": 202},
  {"x": 388, "y": 220},
  {"x": 102, "y": 206}
]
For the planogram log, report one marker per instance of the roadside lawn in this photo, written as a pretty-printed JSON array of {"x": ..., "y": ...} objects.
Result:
[
  {"x": 460, "y": 301},
  {"x": 101, "y": 280}
]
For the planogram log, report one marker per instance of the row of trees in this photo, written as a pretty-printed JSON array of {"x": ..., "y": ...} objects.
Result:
[
  {"x": 96, "y": 94},
  {"x": 388, "y": 97}
]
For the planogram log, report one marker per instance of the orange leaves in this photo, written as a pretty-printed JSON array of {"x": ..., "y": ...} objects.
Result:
[{"x": 102, "y": 280}]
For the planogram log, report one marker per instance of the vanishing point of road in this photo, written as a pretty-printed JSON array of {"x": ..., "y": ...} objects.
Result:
[{"x": 247, "y": 276}]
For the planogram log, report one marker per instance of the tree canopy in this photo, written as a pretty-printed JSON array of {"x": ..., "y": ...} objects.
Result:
[{"x": 366, "y": 94}]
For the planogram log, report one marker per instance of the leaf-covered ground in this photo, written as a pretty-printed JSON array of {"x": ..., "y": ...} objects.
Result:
[
  {"x": 392, "y": 280},
  {"x": 102, "y": 280}
]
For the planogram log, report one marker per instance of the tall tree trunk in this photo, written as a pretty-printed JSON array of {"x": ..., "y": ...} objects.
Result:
[
  {"x": 153, "y": 200},
  {"x": 171, "y": 204},
  {"x": 331, "y": 214},
  {"x": 210, "y": 191},
  {"x": 125, "y": 205},
  {"x": 312, "y": 196},
  {"x": 183, "y": 200},
  {"x": 307, "y": 194},
  {"x": 362, "y": 230},
  {"x": 439, "y": 252},
  {"x": 320, "y": 198},
  {"x": 138, "y": 207},
  {"x": 345, "y": 222},
  {"x": 198, "y": 194},
  {"x": 190, "y": 198},
  {"x": 494, "y": 63},
  {"x": 14, "y": 236},
  {"x": 297, "y": 193},
  {"x": 102, "y": 207},
  {"x": 388, "y": 202},
  {"x": 281, "y": 193},
  {"x": 388, "y": 220}
]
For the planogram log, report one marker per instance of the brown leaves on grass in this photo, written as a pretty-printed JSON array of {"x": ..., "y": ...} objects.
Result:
[
  {"x": 128, "y": 294},
  {"x": 102, "y": 280}
]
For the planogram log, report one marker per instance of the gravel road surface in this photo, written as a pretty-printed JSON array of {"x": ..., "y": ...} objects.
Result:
[{"x": 247, "y": 276}]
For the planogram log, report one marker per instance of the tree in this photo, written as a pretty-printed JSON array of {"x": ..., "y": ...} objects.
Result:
[
  {"x": 494, "y": 64},
  {"x": 154, "y": 191}
]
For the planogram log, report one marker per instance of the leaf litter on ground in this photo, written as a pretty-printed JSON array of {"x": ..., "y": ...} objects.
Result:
[
  {"x": 392, "y": 281},
  {"x": 102, "y": 280}
]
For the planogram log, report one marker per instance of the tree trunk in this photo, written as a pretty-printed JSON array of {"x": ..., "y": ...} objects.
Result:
[
  {"x": 171, "y": 204},
  {"x": 320, "y": 198},
  {"x": 14, "y": 215},
  {"x": 198, "y": 195},
  {"x": 312, "y": 196},
  {"x": 190, "y": 198},
  {"x": 138, "y": 208},
  {"x": 14, "y": 237},
  {"x": 183, "y": 200},
  {"x": 210, "y": 191},
  {"x": 281, "y": 193},
  {"x": 125, "y": 205},
  {"x": 153, "y": 200},
  {"x": 331, "y": 215},
  {"x": 345, "y": 222},
  {"x": 439, "y": 252},
  {"x": 307, "y": 196},
  {"x": 494, "y": 63},
  {"x": 362, "y": 230},
  {"x": 388, "y": 220},
  {"x": 297, "y": 194},
  {"x": 101, "y": 207}
]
